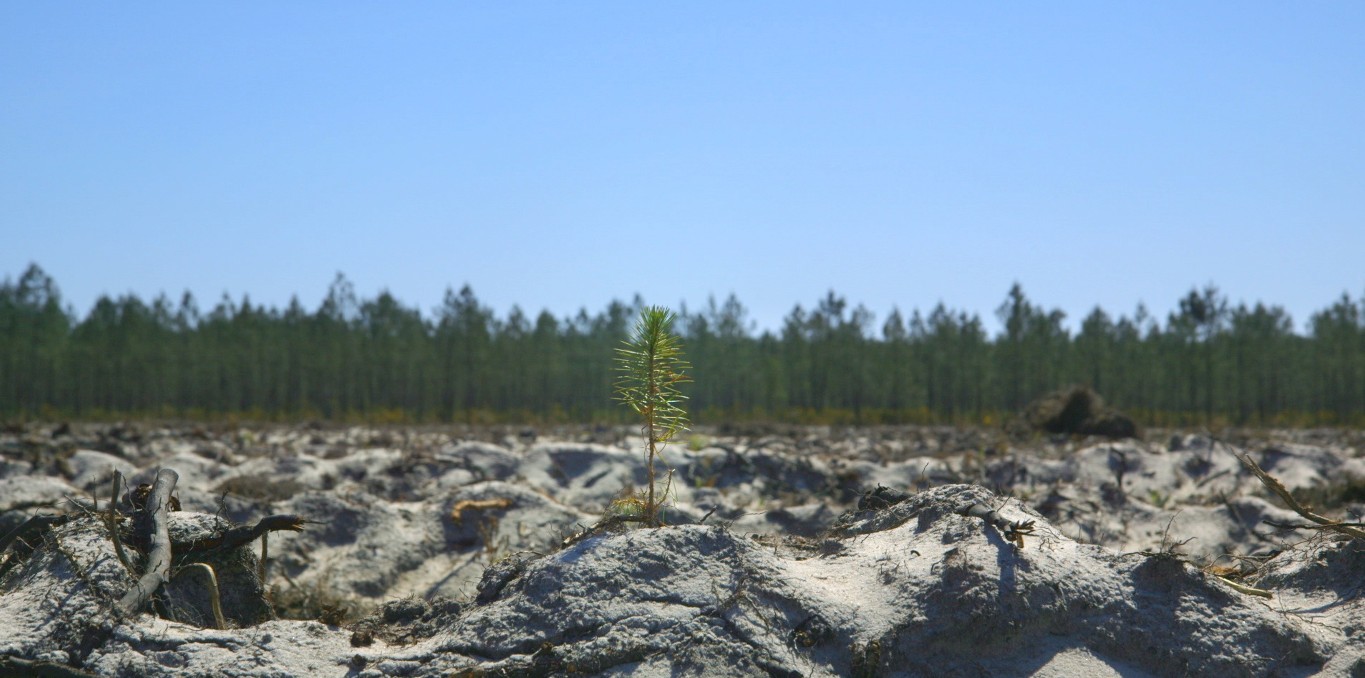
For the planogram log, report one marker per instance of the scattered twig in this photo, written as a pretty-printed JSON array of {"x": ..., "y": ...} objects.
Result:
[
  {"x": 77, "y": 504},
  {"x": 1166, "y": 534},
  {"x": 708, "y": 514},
  {"x": 156, "y": 512},
  {"x": 1213, "y": 477},
  {"x": 601, "y": 526},
  {"x": 214, "y": 600},
  {"x": 34, "y": 524},
  {"x": 29, "y": 530},
  {"x": 1274, "y": 485}
]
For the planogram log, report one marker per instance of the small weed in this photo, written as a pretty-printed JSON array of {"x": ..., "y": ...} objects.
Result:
[
  {"x": 630, "y": 506},
  {"x": 313, "y": 603},
  {"x": 1157, "y": 499},
  {"x": 638, "y": 506}
]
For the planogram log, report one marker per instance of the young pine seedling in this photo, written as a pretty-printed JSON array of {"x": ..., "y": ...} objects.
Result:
[{"x": 651, "y": 366}]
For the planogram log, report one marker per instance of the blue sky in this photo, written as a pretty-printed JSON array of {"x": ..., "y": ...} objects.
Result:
[{"x": 560, "y": 155}]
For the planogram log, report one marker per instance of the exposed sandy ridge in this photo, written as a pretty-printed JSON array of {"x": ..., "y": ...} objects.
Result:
[{"x": 456, "y": 547}]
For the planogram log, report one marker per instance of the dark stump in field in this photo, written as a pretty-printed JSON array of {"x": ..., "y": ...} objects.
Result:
[{"x": 1078, "y": 410}]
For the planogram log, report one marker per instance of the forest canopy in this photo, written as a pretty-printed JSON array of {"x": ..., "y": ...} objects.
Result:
[{"x": 378, "y": 359}]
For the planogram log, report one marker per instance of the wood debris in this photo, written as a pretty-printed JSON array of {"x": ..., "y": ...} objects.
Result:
[{"x": 457, "y": 511}]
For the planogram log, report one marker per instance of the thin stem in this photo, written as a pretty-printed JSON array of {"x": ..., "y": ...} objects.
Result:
[
  {"x": 111, "y": 521},
  {"x": 651, "y": 511},
  {"x": 265, "y": 552}
]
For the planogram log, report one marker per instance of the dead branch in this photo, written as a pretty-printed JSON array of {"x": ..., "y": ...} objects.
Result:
[
  {"x": 1243, "y": 588},
  {"x": 243, "y": 535},
  {"x": 240, "y": 536},
  {"x": 1013, "y": 531},
  {"x": 1301, "y": 526},
  {"x": 156, "y": 516},
  {"x": 1278, "y": 488},
  {"x": 25, "y": 668}
]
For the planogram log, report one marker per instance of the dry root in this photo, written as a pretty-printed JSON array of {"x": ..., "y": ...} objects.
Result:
[{"x": 1274, "y": 485}]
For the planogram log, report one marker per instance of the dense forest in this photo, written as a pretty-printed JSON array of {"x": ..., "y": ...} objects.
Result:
[{"x": 379, "y": 360}]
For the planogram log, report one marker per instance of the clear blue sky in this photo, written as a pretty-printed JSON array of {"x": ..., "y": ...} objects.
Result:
[{"x": 562, "y": 154}]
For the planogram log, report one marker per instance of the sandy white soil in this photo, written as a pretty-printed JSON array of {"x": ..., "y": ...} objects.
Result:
[{"x": 464, "y": 552}]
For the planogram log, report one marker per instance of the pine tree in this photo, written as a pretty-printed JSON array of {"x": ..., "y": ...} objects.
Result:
[{"x": 651, "y": 366}]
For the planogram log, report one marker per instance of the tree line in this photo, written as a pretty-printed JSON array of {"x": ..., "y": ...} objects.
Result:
[{"x": 377, "y": 359}]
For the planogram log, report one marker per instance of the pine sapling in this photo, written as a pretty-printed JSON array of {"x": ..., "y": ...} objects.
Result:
[{"x": 651, "y": 366}]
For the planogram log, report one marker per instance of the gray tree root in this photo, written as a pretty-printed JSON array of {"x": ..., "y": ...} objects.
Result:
[
  {"x": 243, "y": 535},
  {"x": 159, "y": 555}
]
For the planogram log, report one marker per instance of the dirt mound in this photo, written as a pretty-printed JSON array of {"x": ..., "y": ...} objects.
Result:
[{"x": 1078, "y": 410}]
